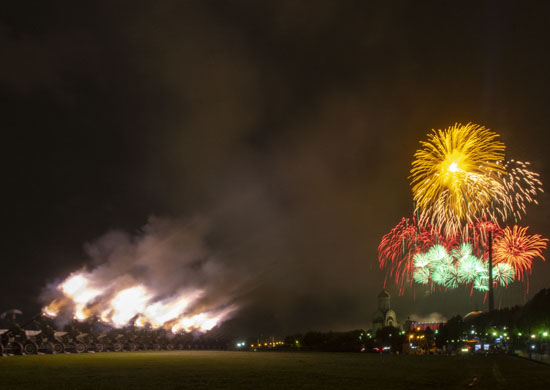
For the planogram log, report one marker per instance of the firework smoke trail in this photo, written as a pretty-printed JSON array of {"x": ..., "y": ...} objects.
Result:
[
  {"x": 162, "y": 277},
  {"x": 454, "y": 177},
  {"x": 518, "y": 249}
]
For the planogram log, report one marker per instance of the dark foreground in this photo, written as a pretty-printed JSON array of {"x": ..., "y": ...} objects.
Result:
[{"x": 249, "y": 370}]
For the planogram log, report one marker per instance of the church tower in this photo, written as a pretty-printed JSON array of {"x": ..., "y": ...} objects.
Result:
[
  {"x": 384, "y": 316},
  {"x": 384, "y": 301}
]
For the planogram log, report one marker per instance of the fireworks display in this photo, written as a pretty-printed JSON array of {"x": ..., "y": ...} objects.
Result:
[
  {"x": 454, "y": 177},
  {"x": 518, "y": 249},
  {"x": 440, "y": 267},
  {"x": 463, "y": 190},
  {"x": 478, "y": 235},
  {"x": 398, "y": 248},
  {"x": 522, "y": 185}
]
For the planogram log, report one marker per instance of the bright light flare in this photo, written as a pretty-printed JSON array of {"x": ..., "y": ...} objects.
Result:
[
  {"x": 159, "y": 313},
  {"x": 127, "y": 304},
  {"x": 135, "y": 305},
  {"x": 76, "y": 292},
  {"x": 76, "y": 288},
  {"x": 453, "y": 168},
  {"x": 202, "y": 321},
  {"x": 53, "y": 309}
]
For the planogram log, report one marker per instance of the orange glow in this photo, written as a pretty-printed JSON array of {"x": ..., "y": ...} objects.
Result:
[
  {"x": 136, "y": 303},
  {"x": 52, "y": 310},
  {"x": 518, "y": 249}
]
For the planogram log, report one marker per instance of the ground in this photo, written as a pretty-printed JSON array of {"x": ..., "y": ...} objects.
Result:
[{"x": 268, "y": 370}]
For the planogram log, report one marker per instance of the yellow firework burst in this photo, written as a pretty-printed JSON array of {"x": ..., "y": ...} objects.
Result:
[{"x": 456, "y": 176}]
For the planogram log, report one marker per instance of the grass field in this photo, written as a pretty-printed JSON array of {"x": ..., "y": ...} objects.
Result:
[{"x": 250, "y": 370}]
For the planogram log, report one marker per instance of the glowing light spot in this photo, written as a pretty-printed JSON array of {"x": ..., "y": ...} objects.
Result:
[
  {"x": 159, "y": 313},
  {"x": 76, "y": 288},
  {"x": 453, "y": 167},
  {"x": 128, "y": 303}
]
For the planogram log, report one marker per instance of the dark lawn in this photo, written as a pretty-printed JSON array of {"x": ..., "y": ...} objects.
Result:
[{"x": 263, "y": 370}]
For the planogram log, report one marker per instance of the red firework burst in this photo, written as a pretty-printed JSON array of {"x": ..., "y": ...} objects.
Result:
[
  {"x": 518, "y": 249},
  {"x": 398, "y": 248}
]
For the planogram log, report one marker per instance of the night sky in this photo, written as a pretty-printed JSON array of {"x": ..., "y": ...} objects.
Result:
[{"x": 286, "y": 128}]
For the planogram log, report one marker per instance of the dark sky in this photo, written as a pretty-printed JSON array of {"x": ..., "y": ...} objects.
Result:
[{"x": 289, "y": 126}]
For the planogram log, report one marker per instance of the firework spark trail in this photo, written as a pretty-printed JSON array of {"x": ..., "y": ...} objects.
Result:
[
  {"x": 469, "y": 268},
  {"x": 477, "y": 234},
  {"x": 518, "y": 249},
  {"x": 522, "y": 186},
  {"x": 439, "y": 266},
  {"x": 514, "y": 252},
  {"x": 450, "y": 269},
  {"x": 422, "y": 275},
  {"x": 398, "y": 248},
  {"x": 454, "y": 177},
  {"x": 415, "y": 252},
  {"x": 503, "y": 274}
]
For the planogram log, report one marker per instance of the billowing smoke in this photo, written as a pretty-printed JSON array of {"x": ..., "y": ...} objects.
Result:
[
  {"x": 190, "y": 107},
  {"x": 162, "y": 276}
]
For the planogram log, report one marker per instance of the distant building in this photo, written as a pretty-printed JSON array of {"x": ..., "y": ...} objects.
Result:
[
  {"x": 422, "y": 326},
  {"x": 433, "y": 321},
  {"x": 384, "y": 316}
]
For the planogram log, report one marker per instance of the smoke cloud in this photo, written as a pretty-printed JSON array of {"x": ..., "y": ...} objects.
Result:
[
  {"x": 287, "y": 127},
  {"x": 168, "y": 259}
]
